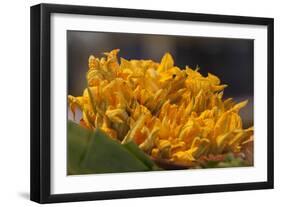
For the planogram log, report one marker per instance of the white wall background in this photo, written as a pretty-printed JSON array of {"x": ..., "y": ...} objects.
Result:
[{"x": 14, "y": 101}]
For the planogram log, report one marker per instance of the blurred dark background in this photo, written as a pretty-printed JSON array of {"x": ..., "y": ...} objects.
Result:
[{"x": 230, "y": 59}]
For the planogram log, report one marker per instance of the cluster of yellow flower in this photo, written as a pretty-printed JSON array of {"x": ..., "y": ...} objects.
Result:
[{"x": 172, "y": 114}]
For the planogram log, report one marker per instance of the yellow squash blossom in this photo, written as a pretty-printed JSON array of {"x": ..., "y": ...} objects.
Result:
[{"x": 171, "y": 113}]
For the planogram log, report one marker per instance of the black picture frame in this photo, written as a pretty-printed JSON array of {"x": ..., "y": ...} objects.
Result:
[{"x": 40, "y": 102}]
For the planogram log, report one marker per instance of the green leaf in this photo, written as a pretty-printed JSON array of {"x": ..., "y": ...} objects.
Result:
[
  {"x": 77, "y": 141},
  {"x": 105, "y": 155},
  {"x": 136, "y": 151},
  {"x": 95, "y": 152}
]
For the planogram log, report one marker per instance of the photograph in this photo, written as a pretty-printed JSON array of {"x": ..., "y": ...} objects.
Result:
[
  {"x": 129, "y": 103},
  {"x": 150, "y": 102}
]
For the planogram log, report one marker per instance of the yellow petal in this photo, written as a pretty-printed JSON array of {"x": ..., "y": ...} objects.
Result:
[
  {"x": 166, "y": 63},
  {"x": 240, "y": 105},
  {"x": 117, "y": 115}
]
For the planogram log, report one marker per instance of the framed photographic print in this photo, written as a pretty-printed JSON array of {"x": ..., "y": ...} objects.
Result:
[{"x": 133, "y": 103}]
